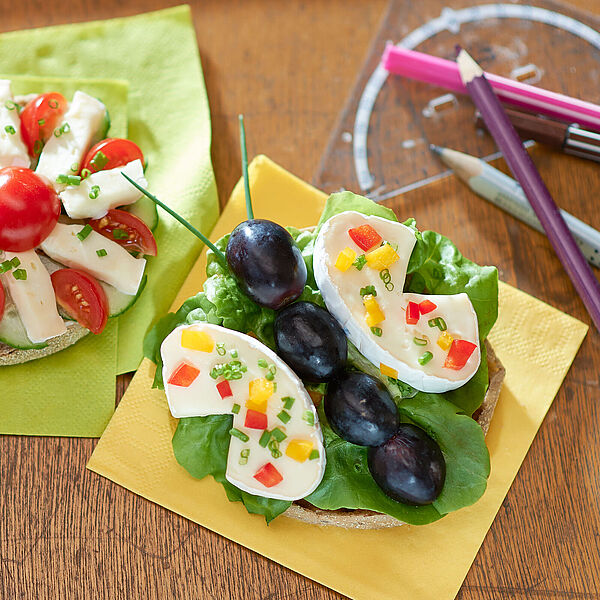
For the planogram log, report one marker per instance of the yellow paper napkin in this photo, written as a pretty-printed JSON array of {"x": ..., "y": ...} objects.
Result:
[{"x": 535, "y": 342}]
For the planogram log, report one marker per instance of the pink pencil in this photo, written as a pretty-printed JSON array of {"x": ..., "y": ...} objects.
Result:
[{"x": 444, "y": 73}]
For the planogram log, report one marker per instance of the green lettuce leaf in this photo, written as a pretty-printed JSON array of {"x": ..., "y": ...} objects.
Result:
[
  {"x": 347, "y": 482},
  {"x": 201, "y": 444}
]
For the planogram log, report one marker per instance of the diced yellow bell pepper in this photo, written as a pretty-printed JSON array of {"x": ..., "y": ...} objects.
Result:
[
  {"x": 345, "y": 259},
  {"x": 382, "y": 258},
  {"x": 445, "y": 341},
  {"x": 388, "y": 371},
  {"x": 197, "y": 340},
  {"x": 260, "y": 390},
  {"x": 299, "y": 449},
  {"x": 374, "y": 313}
]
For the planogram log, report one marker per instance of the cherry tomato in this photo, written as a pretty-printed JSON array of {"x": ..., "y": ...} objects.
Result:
[
  {"x": 29, "y": 209},
  {"x": 81, "y": 297},
  {"x": 127, "y": 230},
  {"x": 118, "y": 152},
  {"x": 1, "y": 301},
  {"x": 39, "y": 119}
]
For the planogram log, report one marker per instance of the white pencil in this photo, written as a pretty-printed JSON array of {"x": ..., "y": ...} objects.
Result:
[{"x": 506, "y": 193}]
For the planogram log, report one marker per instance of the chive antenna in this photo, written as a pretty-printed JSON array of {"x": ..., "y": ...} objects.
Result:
[
  {"x": 220, "y": 256},
  {"x": 249, "y": 211}
]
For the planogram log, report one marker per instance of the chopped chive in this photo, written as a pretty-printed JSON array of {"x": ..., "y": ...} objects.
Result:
[
  {"x": 420, "y": 341},
  {"x": 276, "y": 454},
  {"x": 278, "y": 434},
  {"x": 65, "y": 128},
  {"x": 314, "y": 454},
  {"x": 214, "y": 373},
  {"x": 5, "y": 266},
  {"x": 20, "y": 274},
  {"x": 10, "y": 130},
  {"x": 264, "y": 438},
  {"x": 249, "y": 211},
  {"x": 69, "y": 179},
  {"x": 10, "y": 105},
  {"x": 284, "y": 417},
  {"x": 83, "y": 233},
  {"x": 234, "y": 353},
  {"x": 273, "y": 369},
  {"x": 425, "y": 358},
  {"x": 75, "y": 167},
  {"x": 245, "y": 453},
  {"x": 368, "y": 290},
  {"x": 377, "y": 331},
  {"x": 269, "y": 376},
  {"x": 438, "y": 322},
  {"x": 262, "y": 363},
  {"x": 85, "y": 173},
  {"x": 53, "y": 103},
  {"x": 41, "y": 122},
  {"x": 94, "y": 192},
  {"x": 240, "y": 435},
  {"x": 221, "y": 350},
  {"x": 360, "y": 262},
  {"x": 243, "y": 460},
  {"x": 15, "y": 262},
  {"x": 119, "y": 234},
  {"x": 102, "y": 252},
  {"x": 288, "y": 402},
  {"x": 37, "y": 147},
  {"x": 235, "y": 409},
  {"x": 99, "y": 161},
  {"x": 309, "y": 417}
]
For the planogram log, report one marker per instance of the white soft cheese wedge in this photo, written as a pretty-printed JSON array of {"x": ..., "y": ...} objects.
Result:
[
  {"x": 395, "y": 350},
  {"x": 62, "y": 155},
  {"x": 13, "y": 152},
  {"x": 117, "y": 267},
  {"x": 34, "y": 298},
  {"x": 189, "y": 355},
  {"x": 103, "y": 190}
]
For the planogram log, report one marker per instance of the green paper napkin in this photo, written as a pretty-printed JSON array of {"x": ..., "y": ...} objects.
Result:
[{"x": 168, "y": 116}]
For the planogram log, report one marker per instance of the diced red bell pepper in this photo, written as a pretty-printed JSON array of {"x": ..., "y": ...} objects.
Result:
[
  {"x": 426, "y": 306},
  {"x": 224, "y": 389},
  {"x": 184, "y": 375},
  {"x": 412, "y": 313},
  {"x": 255, "y": 420},
  {"x": 459, "y": 354},
  {"x": 268, "y": 475},
  {"x": 365, "y": 237}
]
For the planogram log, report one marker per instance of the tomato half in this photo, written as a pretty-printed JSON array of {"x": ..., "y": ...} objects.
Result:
[
  {"x": 81, "y": 297},
  {"x": 114, "y": 152},
  {"x": 40, "y": 118},
  {"x": 127, "y": 230},
  {"x": 29, "y": 209},
  {"x": 1, "y": 301}
]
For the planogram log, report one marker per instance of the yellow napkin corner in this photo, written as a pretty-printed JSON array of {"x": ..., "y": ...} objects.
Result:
[{"x": 135, "y": 450}]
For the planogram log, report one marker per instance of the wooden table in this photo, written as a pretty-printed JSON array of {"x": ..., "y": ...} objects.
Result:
[{"x": 67, "y": 533}]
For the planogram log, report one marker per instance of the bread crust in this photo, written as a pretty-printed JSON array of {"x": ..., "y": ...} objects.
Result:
[
  {"x": 13, "y": 356},
  {"x": 368, "y": 519}
]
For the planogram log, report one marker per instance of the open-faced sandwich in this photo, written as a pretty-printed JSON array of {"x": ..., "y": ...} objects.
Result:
[
  {"x": 73, "y": 230},
  {"x": 335, "y": 375}
]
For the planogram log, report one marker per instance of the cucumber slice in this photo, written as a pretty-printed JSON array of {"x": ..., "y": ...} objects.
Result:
[
  {"x": 12, "y": 330},
  {"x": 145, "y": 209},
  {"x": 118, "y": 302}
]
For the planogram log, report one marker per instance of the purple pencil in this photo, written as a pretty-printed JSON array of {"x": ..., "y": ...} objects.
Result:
[{"x": 537, "y": 193}]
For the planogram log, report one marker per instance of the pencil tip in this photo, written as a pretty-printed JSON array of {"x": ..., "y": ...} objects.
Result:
[
  {"x": 467, "y": 67},
  {"x": 457, "y": 49},
  {"x": 435, "y": 149}
]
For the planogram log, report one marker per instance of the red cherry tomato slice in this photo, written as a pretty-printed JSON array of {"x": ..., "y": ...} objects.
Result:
[
  {"x": 39, "y": 119},
  {"x": 81, "y": 297},
  {"x": 268, "y": 475},
  {"x": 115, "y": 152},
  {"x": 1, "y": 301},
  {"x": 127, "y": 230},
  {"x": 29, "y": 209}
]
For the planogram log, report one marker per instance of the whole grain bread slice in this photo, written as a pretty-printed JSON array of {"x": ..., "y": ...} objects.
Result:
[{"x": 367, "y": 519}]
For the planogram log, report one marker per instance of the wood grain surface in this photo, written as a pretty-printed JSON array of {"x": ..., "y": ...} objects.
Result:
[{"x": 67, "y": 533}]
